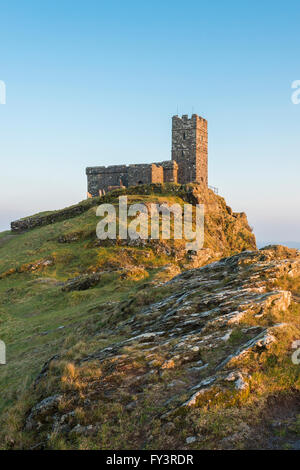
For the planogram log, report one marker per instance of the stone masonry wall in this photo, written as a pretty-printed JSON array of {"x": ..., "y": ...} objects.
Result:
[
  {"x": 157, "y": 175},
  {"x": 189, "y": 148},
  {"x": 101, "y": 177},
  {"x": 144, "y": 174},
  {"x": 170, "y": 170},
  {"x": 201, "y": 151},
  {"x": 188, "y": 164}
]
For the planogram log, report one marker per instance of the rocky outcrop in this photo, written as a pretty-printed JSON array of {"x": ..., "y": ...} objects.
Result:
[
  {"x": 41, "y": 410},
  {"x": 226, "y": 232},
  {"x": 83, "y": 282},
  {"x": 28, "y": 267},
  {"x": 195, "y": 342}
]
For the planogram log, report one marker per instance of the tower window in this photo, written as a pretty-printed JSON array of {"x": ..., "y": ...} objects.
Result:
[
  {"x": 184, "y": 136},
  {"x": 182, "y": 153}
]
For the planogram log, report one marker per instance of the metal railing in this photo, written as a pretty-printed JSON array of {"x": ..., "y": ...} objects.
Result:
[{"x": 214, "y": 189}]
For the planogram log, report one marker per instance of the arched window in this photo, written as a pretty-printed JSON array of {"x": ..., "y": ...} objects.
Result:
[
  {"x": 140, "y": 182},
  {"x": 182, "y": 153},
  {"x": 184, "y": 136}
]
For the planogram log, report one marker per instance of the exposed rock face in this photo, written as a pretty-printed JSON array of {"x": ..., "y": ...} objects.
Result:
[
  {"x": 81, "y": 282},
  {"x": 204, "y": 329},
  {"x": 29, "y": 267},
  {"x": 225, "y": 232},
  {"x": 201, "y": 314},
  {"x": 41, "y": 410}
]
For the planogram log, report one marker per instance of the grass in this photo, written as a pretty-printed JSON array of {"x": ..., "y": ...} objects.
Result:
[
  {"x": 38, "y": 320},
  {"x": 32, "y": 305},
  {"x": 4, "y": 234}
]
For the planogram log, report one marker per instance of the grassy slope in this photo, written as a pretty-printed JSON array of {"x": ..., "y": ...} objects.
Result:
[
  {"x": 32, "y": 303},
  {"x": 33, "y": 307}
]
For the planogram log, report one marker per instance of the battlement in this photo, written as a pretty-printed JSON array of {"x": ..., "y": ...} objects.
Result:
[
  {"x": 184, "y": 120},
  {"x": 95, "y": 170}
]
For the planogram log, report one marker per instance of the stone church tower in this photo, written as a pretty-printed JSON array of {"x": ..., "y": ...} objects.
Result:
[
  {"x": 188, "y": 164},
  {"x": 189, "y": 148}
]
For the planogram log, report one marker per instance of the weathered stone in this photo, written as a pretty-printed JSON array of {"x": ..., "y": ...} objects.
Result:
[
  {"x": 195, "y": 333},
  {"x": 188, "y": 164},
  {"x": 190, "y": 440},
  {"x": 189, "y": 148},
  {"x": 29, "y": 223},
  {"x": 85, "y": 430},
  {"x": 41, "y": 410},
  {"x": 86, "y": 281}
]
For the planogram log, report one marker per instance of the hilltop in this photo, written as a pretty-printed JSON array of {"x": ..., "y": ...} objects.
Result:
[{"x": 142, "y": 345}]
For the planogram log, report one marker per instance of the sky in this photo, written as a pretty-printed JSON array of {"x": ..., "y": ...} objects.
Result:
[{"x": 96, "y": 83}]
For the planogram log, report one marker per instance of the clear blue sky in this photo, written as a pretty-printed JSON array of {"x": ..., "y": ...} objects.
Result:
[{"x": 96, "y": 82}]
